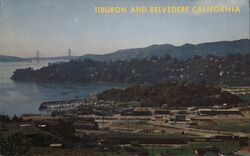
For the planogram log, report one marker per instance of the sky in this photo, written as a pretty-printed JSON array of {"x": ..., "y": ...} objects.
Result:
[{"x": 53, "y": 26}]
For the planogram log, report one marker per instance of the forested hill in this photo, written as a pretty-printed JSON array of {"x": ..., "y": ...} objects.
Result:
[
  {"x": 230, "y": 70},
  {"x": 172, "y": 95},
  {"x": 221, "y": 48}
]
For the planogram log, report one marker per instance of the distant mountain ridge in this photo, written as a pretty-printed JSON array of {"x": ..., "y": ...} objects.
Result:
[
  {"x": 221, "y": 48},
  {"x": 4, "y": 58},
  {"x": 58, "y": 58}
]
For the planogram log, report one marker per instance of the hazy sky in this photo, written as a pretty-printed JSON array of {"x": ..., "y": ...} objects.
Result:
[{"x": 53, "y": 26}]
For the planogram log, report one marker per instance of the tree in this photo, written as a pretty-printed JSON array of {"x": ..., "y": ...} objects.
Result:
[{"x": 16, "y": 144}]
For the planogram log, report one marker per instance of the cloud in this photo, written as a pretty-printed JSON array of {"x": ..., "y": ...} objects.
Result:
[
  {"x": 2, "y": 4},
  {"x": 222, "y": 2},
  {"x": 76, "y": 19}
]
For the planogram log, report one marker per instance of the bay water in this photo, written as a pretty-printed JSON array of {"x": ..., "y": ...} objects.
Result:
[{"x": 25, "y": 97}]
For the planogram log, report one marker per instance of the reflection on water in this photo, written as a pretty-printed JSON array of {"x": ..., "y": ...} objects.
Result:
[{"x": 25, "y": 97}]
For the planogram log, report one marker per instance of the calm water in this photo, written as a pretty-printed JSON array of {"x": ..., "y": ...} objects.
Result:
[{"x": 25, "y": 97}]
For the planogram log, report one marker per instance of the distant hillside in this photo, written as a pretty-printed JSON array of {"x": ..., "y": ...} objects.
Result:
[
  {"x": 4, "y": 58},
  {"x": 222, "y": 48}
]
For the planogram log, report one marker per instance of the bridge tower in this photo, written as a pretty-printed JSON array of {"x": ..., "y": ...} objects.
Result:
[
  {"x": 37, "y": 56},
  {"x": 69, "y": 54}
]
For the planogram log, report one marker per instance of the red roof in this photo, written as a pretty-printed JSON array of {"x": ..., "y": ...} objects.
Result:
[{"x": 245, "y": 149}]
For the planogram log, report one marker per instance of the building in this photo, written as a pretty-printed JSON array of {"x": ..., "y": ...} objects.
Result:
[
  {"x": 244, "y": 151},
  {"x": 159, "y": 111},
  {"x": 126, "y": 111},
  {"x": 143, "y": 111},
  {"x": 207, "y": 150},
  {"x": 211, "y": 112},
  {"x": 56, "y": 145},
  {"x": 180, "y": 117},
  {"x": 3, "y": 127},
  {"x": 85, "y": 125}
]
